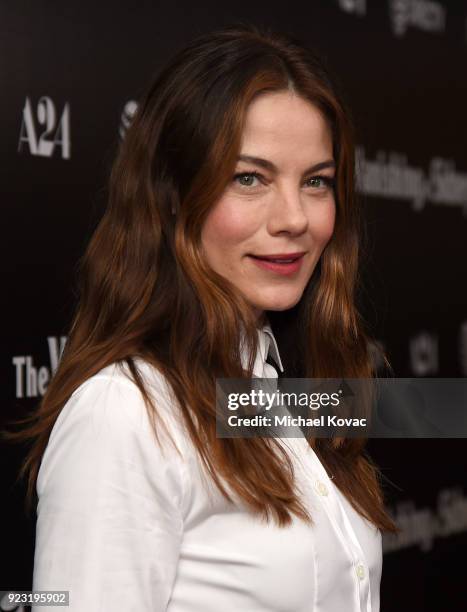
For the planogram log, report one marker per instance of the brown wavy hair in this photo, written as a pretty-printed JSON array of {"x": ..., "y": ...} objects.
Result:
[{"x": 146, "y": 291}]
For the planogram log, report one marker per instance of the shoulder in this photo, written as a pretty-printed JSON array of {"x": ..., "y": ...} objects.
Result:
[
  {"x": 106, "y": 421},
  {"x": 118, "y": 374},
  {"x": 112, "y": 395},
  {"x": 109, "y": 499}
]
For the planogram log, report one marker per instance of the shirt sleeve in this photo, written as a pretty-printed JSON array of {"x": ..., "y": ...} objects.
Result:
[{"x": 110, "y": 511}]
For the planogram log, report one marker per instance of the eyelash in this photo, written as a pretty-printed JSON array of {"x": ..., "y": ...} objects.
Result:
[{"x": 327, "y": 180}]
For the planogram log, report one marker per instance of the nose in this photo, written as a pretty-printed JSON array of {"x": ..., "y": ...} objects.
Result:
[{"x": 287, "y": 214}]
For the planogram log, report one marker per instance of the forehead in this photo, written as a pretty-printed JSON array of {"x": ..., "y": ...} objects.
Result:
[{"x": 279, "y": 121}]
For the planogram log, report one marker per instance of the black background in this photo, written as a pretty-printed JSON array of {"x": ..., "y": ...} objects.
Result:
[{"x": 408, "y": 95}]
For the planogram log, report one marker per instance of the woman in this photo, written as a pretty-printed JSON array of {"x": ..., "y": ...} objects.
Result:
[{"x": 231, "y": 235}]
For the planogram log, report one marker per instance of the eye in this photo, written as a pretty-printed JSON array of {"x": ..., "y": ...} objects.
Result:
[
  {"x": 245, "y": 179},
  {"x": 321, "y": 181}
]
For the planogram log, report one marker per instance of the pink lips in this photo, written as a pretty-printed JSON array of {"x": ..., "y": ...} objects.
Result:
[{"x": 285, "y": 268}]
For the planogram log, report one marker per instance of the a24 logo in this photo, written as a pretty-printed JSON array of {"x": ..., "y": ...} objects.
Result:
[{"x": 42, "y": 130}]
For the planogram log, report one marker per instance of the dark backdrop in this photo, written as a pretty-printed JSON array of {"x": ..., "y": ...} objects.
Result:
[{"x": 71, "y": 75}]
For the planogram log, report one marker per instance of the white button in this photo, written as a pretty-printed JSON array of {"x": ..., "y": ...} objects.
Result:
[
  {"x": 322, "y": 488},
  {"x": 360, "y": 571}
]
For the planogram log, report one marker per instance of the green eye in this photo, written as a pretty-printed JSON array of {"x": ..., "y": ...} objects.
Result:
[
  {"x": 327, "y": 180},
  {"x": 249, "y": 176}
]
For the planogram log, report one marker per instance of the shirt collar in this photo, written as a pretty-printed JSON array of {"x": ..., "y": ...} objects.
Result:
[
  {"x": 266, "y": 344},
  {"x": 271, "y": 345}
]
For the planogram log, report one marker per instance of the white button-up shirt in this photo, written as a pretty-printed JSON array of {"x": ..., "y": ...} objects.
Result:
[{"x": 125, "y": 526}]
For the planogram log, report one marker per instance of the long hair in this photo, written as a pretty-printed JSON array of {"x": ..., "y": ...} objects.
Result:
[{"x": 146, "y": 291}]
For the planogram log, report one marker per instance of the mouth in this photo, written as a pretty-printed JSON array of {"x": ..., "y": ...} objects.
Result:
[
  {"x": 280, "y": 257},
  {"x": 282, "y": 263}
]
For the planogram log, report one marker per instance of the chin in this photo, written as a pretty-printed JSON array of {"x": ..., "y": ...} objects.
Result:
[{"x": 279, "y": 302}]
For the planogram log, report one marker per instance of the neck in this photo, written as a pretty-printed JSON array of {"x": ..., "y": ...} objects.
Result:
[{"x": 260, "y": 319}]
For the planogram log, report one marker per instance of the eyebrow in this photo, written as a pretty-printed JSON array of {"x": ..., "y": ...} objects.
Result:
[{"x": 268, "y": 165}]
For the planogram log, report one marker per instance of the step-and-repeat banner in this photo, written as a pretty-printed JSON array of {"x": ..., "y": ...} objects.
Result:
[{"x": 71, "y": 76}]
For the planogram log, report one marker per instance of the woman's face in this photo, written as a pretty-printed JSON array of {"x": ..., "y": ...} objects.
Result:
[{"x": 279, "y": 203}]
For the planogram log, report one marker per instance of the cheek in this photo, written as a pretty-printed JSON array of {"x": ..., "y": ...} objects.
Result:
[
  {"x": 322, "y": 224},
  {"x": 227, "y": 226}
]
